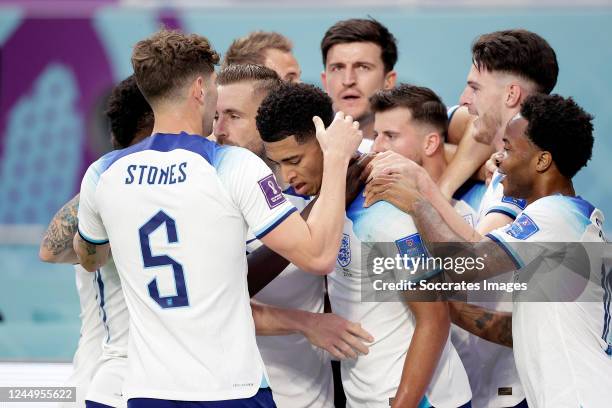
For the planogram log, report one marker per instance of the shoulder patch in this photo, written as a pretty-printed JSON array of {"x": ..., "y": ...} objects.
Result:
[
  {"x": 519, "y": 202},
  {"x": 412, "y": 246},
  {"x": 272, "y": 192},
  {"x": 522, "y": 228}
]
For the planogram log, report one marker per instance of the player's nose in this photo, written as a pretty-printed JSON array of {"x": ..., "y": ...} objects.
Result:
[
  {"x": 466, "y": 96},
  {"x": 378, "y": 146},
  {"x": 349, "y": 78}
]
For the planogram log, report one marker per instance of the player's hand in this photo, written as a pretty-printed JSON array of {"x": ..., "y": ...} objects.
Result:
[
  {"x": 491, "y": 165},
  {"x": 391, "y": 163},
  {"x": 340, "y": 337},
  {"x": 341, "y": 138},
  {"x": 356, "y": 175},
  {"x": 396, "y": 188}
]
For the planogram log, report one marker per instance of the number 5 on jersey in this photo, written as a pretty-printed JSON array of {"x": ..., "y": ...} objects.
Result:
[{"x": 151, "y": 261}]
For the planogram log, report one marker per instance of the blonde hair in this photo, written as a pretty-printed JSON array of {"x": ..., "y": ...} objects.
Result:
[{"x": 251, "y": 48}]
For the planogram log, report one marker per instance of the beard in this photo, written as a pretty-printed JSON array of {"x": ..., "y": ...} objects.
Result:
[{"x": 486, "y": 128}]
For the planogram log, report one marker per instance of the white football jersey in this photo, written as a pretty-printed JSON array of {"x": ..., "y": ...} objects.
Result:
[
  {"x": 489, "y": 366},
  {"x": 467, "y": 199},
  {"x": 176, "y": 210},
  {"x": 494, "y": 200},
  {"x": 563, "y": 350},
  {"x": 372, "y": 380},
  {"x": 300, "y": 373},
  {"x": 107, "y": 382},
  {"x": 88, "y": 352}
]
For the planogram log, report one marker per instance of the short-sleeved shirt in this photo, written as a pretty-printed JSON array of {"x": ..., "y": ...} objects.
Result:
[
  {"x": 176, "y": 210},
  {"x": 562, "y": 350},
  {"x": 372, "y": 379},
  {"x": 494, "y": 200}
]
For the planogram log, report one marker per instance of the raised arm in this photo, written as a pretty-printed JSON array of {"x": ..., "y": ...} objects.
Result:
[
  {"x": 56, "y": 245},
  {"x": 313, "y": 245},
  {"x": 394, "y": 178},
  {"x": 265, "y": 265},
  {"x": 469, "y": 157}
]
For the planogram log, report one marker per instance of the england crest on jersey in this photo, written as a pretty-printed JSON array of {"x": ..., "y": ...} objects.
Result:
[{"x": 344, "y": 255}]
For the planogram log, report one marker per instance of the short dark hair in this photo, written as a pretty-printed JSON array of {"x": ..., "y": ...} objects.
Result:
[
  {"x": 425, "y": 106},
  {"x": 164, "y": 61},
  {"x": 559, "y": 126},
  {"x": 519, "y": 52},
  {"x": 288, "y": 111},
  {"x": 265, "y": 80},
  {"x": 362, "y": 30},
  {"x": 251, "y": 49},
  {"x": 128, "y": 112}
]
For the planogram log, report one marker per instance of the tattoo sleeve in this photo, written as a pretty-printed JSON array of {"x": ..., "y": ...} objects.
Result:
[
  {"x": 443, "y": 242},
  {"x": 488, "y": 324},
  {"x": 56, "y": 244}
]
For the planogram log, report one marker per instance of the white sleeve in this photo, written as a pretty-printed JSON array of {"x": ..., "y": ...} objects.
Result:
[
  {"x": 394, "y": 234},
  {"x": 525, "y": 239},
  {"x": 496, "y": 202},
  {"x": 254, "y": 190},
  {"x": 91, "y": 228}
]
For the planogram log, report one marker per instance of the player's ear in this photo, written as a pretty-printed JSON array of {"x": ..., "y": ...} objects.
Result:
[
  {"x": 390, "y": 79},
  {"x": 431, "y": 142},
  {"x": 513, "y": 95},
  {"x": 324, "y": 80},
  {"x": 544, "y": 161},
  {"x": 197, "y": 89}
]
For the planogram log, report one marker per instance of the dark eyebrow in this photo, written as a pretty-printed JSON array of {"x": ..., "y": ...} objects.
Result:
[
  {"x": 472, "y": 83},
  {"x": 288, "y": 159},
  {"x": 230, "y": 111},
  {"x": 371, "y": 64}
]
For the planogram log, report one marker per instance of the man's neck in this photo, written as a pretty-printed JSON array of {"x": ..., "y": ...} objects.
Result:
[
  {"x": 551, "y": 186},
  {"x": 176, "y": 120},
  {"x": 435, "y": 165}
]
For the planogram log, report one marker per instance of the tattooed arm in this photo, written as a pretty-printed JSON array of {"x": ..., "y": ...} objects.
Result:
[
  {"x": 56, "y": 246},
  {"x": 90, "y": 256},
  {"x": 488, "y": 324}
]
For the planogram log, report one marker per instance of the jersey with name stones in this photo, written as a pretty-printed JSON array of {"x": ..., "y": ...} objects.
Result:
[
  {"x": 176, "y": 210},
  {"x": 563, "y": 350},
  {"x": 372, "y": 379}
]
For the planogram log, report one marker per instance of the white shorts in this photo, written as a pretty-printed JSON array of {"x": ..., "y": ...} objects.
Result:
[{"x": 107, "y": 383}]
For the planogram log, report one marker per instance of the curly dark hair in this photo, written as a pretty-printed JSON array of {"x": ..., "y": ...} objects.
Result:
[
  {"x": 519, "y": 52},
  {"x": 288, "y": 111},
  {"x": 559, "y": 126},
  {"x": 362, "y": 30},
  {"x": 128, "y": 112}
]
